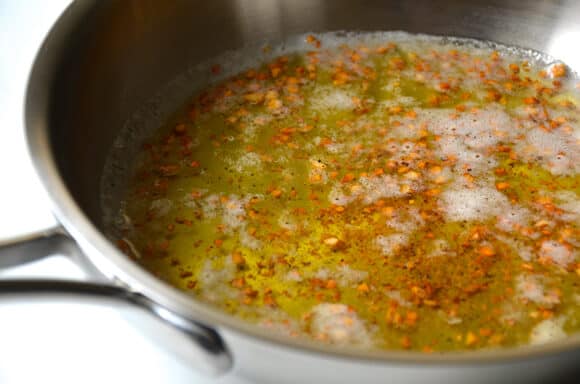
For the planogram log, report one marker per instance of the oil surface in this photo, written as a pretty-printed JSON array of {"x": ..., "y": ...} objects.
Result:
[{"x": 407, "y": 194}]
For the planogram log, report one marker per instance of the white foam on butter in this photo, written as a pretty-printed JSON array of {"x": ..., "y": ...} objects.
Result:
[
  {"x": 562, "y": 164},
  {"x": 442, "y": 177},
  {"x": 317, "y": 176},
  {"x": 214, "y": 282},
  {"x": 396, "y": 296},
  {"x": 336, "y": 148},
  {"x": 524, "y": 251},
  {"x": 403, "y": 132},
  {"x": 347, "y": 276},
  {"x": 277, "y": 321},
  {"x": 330, "y": 98},
  {"x": 339, "y": 325},
  {"x": 161, "y": 207},
  {"x": 369, "y": 189},
  {"x": 400, "y": 100},
  {"x": 569, "y": 202},
  {"x": 548, "y": 143},
  {"x": 470, "y": 160},
  {"x": 247, "y": 162},
  {"x": 406, "y": 220},
  {"x": 286, "y": 221},
  {"x": 556, "y": 150},
  {"x": 234, "y": 212},
  {"x": 512, "y": 312},
  {"x": 253, "y": 123},
  {"x": 376, "y": 188},
  {"x": 210, "y": 205},
  {"x": 249, "y": 241},
  {"x": 390, "y": 244},
  {"x": 468, "y": 138},
  {"x": 404, "y": 151},
  {"x": 513, "y": 218},
  {"x": 337, "y": 196},
  {"x": 463, "y": 204},
  {"x": 344, "y": 275},
  {"x": 547, "y": 331},
  {"x": 532, "y": 288},
  {"x": 480, "y": 129},
  {"x": 558, "y": 253},
  {"x": 231, "y": 210},
  {"x": 293, "y": 275},
  {"x": 440, "y": 247}
]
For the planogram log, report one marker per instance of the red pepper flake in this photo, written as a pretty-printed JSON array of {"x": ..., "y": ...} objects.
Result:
[
  {"x": 239, "y": 282},
  {"x": 180, "y": 129},
  {"x": 363, "y": 288},
  {"x": 406, "y": 342},
  {"x": 502, "y": 185},
  {"x": 397, "y": 63},
  {"x": 193, "y": 113},
  {"x": 500, "y": 171},
  {"x": 485, "y": 332},
  {"x": 559, "y": 70},
  {"x": 411, "y": 318},
  {"x": 493, "y": 95},
  {"x": 269, "y": 300},
  {"x": 169, "y": 170},
  {"x": 238, "y": 258},
  {"x": 514, "y": 68},
  {"x": 164, "y": 245},
  {"x": 427, "y": 349},
  {"x": 216, "y": 69},
  {"x": 331, "y": 284},
  {"x": 486, "y": 251},
  {"x": 471, "y": 339},
  {"x": 531, "y": 100},
  {"x": 275, "y": 71},
  {"x": 348, "y": 178},
  {"x": 433, "y": 192},
  {"x": 396, "y": 109},
  {"x": 310, "y": 39}
]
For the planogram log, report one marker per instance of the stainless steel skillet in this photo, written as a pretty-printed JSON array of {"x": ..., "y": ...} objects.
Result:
[{"x": 104, "y": 59}]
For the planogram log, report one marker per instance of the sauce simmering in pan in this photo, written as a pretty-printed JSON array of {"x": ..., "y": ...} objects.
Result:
[{"x": 415, "y": 194}]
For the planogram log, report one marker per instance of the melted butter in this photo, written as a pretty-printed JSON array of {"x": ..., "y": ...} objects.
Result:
[{"x": 360, "y": 189}]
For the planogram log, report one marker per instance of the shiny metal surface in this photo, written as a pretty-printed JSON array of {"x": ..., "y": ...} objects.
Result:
[
  {"x": 103, "y": 59},
  {"x": 194, "y": 343},
  {"x": 34, "y": 246},
  {"x": 197, "y": 344}
]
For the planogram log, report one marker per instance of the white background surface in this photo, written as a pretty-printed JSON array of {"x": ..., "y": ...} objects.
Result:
[{"x": 47, "y": 341}]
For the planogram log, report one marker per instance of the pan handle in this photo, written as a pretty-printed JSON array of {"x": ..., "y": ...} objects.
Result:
[{"x": 205, "y": 349}]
